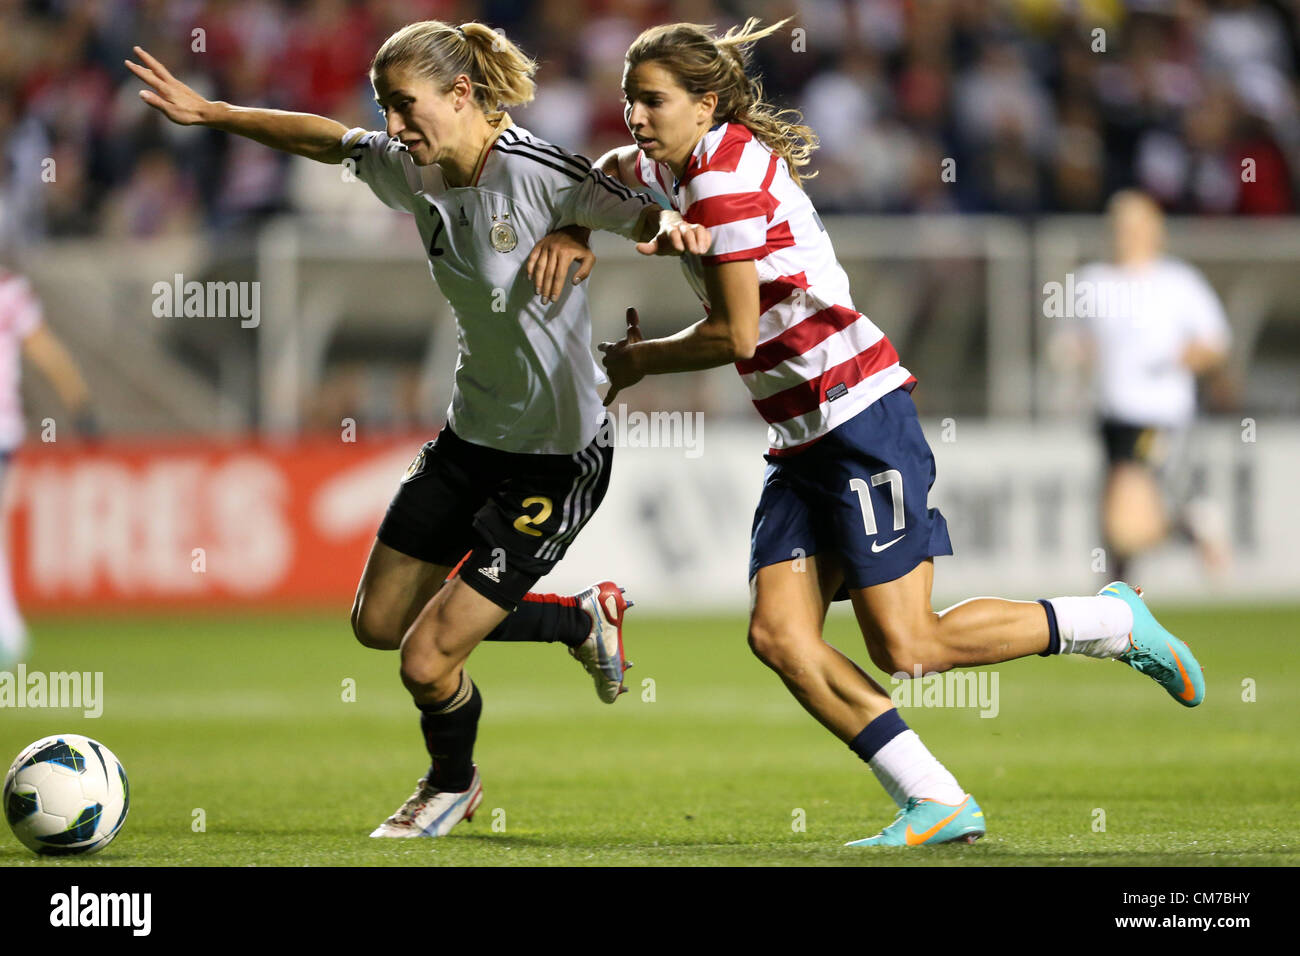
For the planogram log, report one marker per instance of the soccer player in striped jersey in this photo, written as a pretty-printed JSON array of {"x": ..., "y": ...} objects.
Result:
[
  {"x": 520, "y": 467},
  {"x": 24, "y": 335},
  {"x": 843, "y": 511}
]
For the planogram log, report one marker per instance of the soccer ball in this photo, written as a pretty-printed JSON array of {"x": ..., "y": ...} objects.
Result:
[{"x": 66, "y": 794}]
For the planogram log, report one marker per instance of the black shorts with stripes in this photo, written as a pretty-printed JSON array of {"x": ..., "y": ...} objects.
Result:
[{"x": 513, "y": 514}]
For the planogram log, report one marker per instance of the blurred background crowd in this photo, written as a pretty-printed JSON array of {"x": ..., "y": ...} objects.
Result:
[{"x": 1043, "y": 105}]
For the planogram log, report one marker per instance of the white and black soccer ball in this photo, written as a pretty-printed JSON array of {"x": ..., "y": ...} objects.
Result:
[{"x": 65, "y": 795}]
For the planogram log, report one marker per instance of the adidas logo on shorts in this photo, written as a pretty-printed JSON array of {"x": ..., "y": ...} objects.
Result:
[{"x": 491, "y": 572}]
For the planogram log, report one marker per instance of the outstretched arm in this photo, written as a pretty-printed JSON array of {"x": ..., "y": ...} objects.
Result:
[
  {"x": 304, "y": 134},
  {"x": 44, "y": 350}
]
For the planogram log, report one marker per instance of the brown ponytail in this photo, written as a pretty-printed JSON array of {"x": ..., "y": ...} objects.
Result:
[
  {"x": 704, "y": 63},
  {"x": 502, "y": 75}
]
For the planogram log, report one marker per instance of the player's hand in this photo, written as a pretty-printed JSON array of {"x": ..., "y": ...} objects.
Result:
[
  {"x": 676, "y": 237},
  {"x": 553, "y": 256},
  {"x": 168, "y": 95},
  {"x": 619, "y": 361}
]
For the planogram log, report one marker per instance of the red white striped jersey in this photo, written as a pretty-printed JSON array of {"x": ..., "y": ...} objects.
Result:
[
  {"x": 819, "y": 361},
  {"x": 20, "y": 315}
]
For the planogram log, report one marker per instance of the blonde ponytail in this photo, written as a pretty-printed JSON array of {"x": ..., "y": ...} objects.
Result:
[
  {"x": 501, "y": 73},
  {"x": 705, "y": 63}
]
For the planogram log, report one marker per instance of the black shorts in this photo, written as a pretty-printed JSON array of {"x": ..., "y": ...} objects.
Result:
[
  {"x": 1149, "y": 445},
  {"x": 514, "y": 515},
  {"x": 1162, "y": 449}
]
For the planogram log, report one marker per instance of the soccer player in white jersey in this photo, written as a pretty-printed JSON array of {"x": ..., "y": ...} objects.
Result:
[
  {"x": 843, "y": 511},
  {"x": 1154, "y": 325},
  {"x": 24, "y": 335},
  {"x": 521, "y": 466}
]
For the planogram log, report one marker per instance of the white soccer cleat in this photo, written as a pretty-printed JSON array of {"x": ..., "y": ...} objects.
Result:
[
  {"x": 432, "y": 813},
  {"x": 602, "y": 652}
]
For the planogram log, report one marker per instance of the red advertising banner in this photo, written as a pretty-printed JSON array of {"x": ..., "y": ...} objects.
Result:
[{"x": 197, "y": 522}]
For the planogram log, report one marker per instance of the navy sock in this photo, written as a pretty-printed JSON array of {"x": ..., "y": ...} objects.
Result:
[
  {"x": 1053, "y": 634},
  {"x": 878, "y": 733},
  {"x": 546, "y": 618},
  {"x": 450, "y": 727}
]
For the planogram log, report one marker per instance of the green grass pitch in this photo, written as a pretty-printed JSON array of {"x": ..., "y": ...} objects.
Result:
[{"x": 244, "y": 719}]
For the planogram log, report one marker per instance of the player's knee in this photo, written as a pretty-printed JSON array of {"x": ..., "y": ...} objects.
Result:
[
  {"x": 773, "y": 646},
  {"x": 423, "y": 670},
  {"x": 372, "y": 628},
  {"x": 762, "y": 641},
  {"x": 909, "y": 651},
  {"x": 899, "y": 663}
]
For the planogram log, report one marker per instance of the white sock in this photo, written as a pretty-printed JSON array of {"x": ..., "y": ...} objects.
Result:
[
  {"x": 905, "y": 768},
  {"x": 1097, "y": 626}
]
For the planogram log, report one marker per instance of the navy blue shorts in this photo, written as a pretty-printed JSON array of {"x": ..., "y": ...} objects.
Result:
[{"x": 861, "y": 492}]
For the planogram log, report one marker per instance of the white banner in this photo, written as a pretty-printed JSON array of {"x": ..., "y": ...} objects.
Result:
[{"x": 1021, "y": 503}]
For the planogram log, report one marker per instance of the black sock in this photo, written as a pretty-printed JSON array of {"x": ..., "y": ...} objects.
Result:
[
  {"x": 1053, "y": 633},
  {"x": 449, "y": 728},
  {"x": 546, "y": 618}
]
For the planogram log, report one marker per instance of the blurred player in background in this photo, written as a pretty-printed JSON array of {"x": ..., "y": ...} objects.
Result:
[
  {"x": 520, "y": 467},
  {"x": 24, "y": 335},
  {"x": 843, "y": 512},
  {"x": 1155, "y": 326}
]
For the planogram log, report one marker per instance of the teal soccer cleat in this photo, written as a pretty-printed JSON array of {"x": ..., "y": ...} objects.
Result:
[
  {"x": 929, "y": 822},
  {"x": 1157, "y": 653}
]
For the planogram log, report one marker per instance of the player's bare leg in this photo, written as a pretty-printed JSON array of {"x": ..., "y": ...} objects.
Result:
[
  {"x": 1203, "y": 521},
  {"x": 1133, "y": 514},
  {"x": 788, "y": 609},
  {"x": 433, "y": 655},
  {"x": 444, "y": 632},
  {"x": 395, "y": 587},
  {"x": 905, "y": 635}
]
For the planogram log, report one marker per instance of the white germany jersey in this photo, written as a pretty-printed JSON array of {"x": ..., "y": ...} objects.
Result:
[
  {"x": 525, "y": 378},
  {"x": 1141, "y": 320}
]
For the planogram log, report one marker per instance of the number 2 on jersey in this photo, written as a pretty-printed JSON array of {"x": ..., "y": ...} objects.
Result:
[
  {"x": 433, "y": 243},
  {"x": 524, "y": 523}
]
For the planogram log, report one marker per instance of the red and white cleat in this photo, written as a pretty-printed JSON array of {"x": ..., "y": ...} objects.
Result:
[
  {"x": 602, "y": 652},
  {"x": 430, "y": 812}
]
